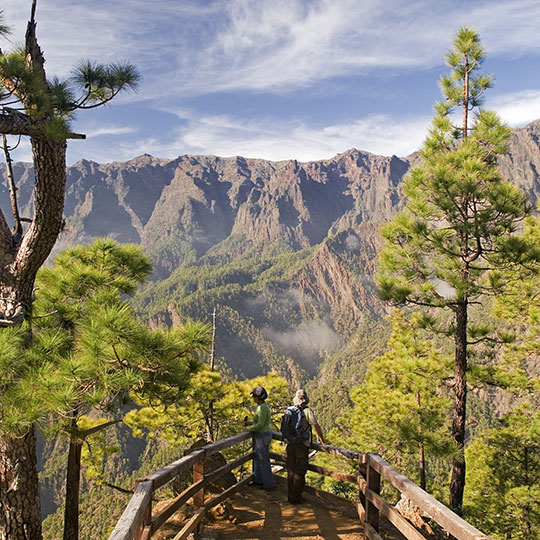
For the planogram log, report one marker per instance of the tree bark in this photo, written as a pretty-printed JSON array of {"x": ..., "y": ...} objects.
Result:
[
  {"x": 20, "y": 517},
  {"x": 73, "y": 480},
  {"x": 421, "y": 453},
  {"x": 457, "y": 483},
  {"x": 18, "y": 273},
  {"x": 19, "y": 495}
]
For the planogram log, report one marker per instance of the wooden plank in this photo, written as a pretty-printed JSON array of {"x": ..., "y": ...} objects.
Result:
[
  {"x": 393, "y": 516},
  {"x": 447, "y": 519},
  {"x": 147, "y": 533},
  {"x": 161, "y": 477},
  {"x": 179, "y": 500},
  {"x": 167, "y": 473},
  {"x": 360, "y": 510},
  {"x": 371, "y": 533},
  {"x": 228, "y": 492},
  {"x": 132, "y": 520},
  {"x": 218, "y": 446},
  {"x": 344, "y": 477},
  {"x": 332, "y": 497},
  {"x": 278, "y": 457},
  {"x": 373, "y": 483},
  {"x": 340, "y": 452},
  {"x": 362, "y": 484},
  {"x": 191, "y": 525},
  {"x": 198, "y": 476},
  {"x": 332, "y": 450}
]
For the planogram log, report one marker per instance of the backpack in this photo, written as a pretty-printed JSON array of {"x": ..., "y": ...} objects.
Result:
[{"x": 291, "y": 426}]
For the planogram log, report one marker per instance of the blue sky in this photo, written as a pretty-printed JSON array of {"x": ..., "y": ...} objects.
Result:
[{"x": 278, "y": 79}]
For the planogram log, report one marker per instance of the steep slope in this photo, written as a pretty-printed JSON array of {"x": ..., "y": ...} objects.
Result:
[{"x": 287, "y": 248}]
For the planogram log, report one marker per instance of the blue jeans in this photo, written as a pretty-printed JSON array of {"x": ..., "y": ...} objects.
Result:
[{"x": 261, "y": 464}]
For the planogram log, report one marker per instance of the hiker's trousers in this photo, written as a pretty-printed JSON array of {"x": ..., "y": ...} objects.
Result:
[
  {"x": 261, "y": 464},
  {"x": 297, "y": 464}
]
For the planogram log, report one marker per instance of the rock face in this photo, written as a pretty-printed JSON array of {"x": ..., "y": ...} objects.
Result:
[
  {"x": 206, "y": 210},
  {"x": 216, "y": 206}
]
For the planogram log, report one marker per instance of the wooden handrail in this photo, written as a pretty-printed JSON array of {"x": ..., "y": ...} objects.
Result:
[
  {"x": 447, "y": 519},
  {"x": 137, "y": 522},
  {"x": 131, "y": 522}
]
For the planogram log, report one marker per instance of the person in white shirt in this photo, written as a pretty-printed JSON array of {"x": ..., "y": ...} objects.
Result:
[{"x": 297, "y": 454}]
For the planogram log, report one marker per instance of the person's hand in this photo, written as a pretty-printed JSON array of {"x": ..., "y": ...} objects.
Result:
[{"x": 246, "y": 422}]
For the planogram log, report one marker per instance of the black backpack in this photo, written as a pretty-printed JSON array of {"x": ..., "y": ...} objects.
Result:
[{"x": 291, "y": 426}]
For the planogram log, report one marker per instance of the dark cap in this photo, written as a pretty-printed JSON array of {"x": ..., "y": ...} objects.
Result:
[{"x": 259, "y": 392}]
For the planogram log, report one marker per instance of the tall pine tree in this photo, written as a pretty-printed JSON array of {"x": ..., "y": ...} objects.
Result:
[
  {"x": 458, "y": 224},
  {"x": 94, "y": 355},
  {"x": 40, "y": 108}
]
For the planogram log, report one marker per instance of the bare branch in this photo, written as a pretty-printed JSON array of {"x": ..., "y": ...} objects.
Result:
[{"x": 17, "y": 227}]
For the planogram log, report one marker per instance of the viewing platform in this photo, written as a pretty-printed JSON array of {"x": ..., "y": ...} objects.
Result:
[{"x": 249, "y": 513}]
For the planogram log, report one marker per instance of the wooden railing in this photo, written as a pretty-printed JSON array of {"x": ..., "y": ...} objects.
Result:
[{"x": 139, "y": 523}]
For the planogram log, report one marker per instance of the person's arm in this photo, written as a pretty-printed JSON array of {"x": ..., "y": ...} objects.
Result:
[
  {"x": 312, "y": 420},
  {"x": 318, "y": 431}
]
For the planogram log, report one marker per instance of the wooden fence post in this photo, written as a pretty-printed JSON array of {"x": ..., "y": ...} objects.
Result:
[
  {"x": 373, "y": 483},
  {"x": 253, "y": 450},
  {"x": 146, "y": 516},
  {"x": 198, "y": 474}
]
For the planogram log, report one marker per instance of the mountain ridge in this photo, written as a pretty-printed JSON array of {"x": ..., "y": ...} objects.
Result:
[{"x": 197, "y": 215}]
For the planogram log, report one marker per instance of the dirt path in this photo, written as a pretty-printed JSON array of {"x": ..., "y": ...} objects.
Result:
[{"x": 266, "y": 515}]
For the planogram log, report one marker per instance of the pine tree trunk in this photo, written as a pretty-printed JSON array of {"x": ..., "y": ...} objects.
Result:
[
  {"x": 457, "y": 483},
  {"x": 19, "y": 268},
  {"x": 421, "y": 453},
  {"x": 20, "y": 517},
  {"x": 19, "y": 488},
  {"x": 73, "y": 480}
]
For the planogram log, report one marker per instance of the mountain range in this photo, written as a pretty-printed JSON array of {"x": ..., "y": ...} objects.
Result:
[{"x": 285, "y": 250}]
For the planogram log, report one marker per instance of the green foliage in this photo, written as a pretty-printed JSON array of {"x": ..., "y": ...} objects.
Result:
[
  {"x": 465, "y": 60},
  {"x": 519, "y": 308},
  {"x": 51, "y": 103},
  {"x": 259, "y": 288},
  {"x": 18, "y": 405},
  {"x": 461, "y": 216},
  {"x": 97, "y": 351},
  {"x": 443, "y": 252},
  {"x": 346, "y": 368},
  {"x": 402, "y": 405},
  {"x": 503, "y": 478},
  {"x": 207, "y": 397}
]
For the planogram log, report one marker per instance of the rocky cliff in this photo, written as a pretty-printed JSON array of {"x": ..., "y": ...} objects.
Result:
[{"x": 206, "y": 212}]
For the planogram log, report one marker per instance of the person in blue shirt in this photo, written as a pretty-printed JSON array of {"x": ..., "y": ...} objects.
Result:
[{"x": 260, "y": 427}]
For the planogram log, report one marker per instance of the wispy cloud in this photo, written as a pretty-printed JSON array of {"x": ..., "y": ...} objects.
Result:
[
  {"x": 111, "y": 130},
  {"x": 190, "y": 47},
  {"x": 274, "y": 139}
]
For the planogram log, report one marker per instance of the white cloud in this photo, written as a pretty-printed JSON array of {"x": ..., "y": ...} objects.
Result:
[
  {"x": 288, "y": 44},
  {"x": 194, "y": 47},
  {"x": 275, "y": 140},
  {"x": 110, "y": 130},
  {"x": 519, "y": 108}
]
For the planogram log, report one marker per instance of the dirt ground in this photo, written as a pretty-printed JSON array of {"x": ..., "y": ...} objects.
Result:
[{"x": 266, "y": 515}]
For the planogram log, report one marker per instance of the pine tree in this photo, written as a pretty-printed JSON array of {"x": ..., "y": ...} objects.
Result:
[
  {"x": 401, "y": 409},
  {"x": 458, "y": 225},
  {"x": 503, "y": 480},
  {"x": 41, "y": 109},
  {"x": 184, "y": 422},
  {"x": 97, "y": 354}
]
